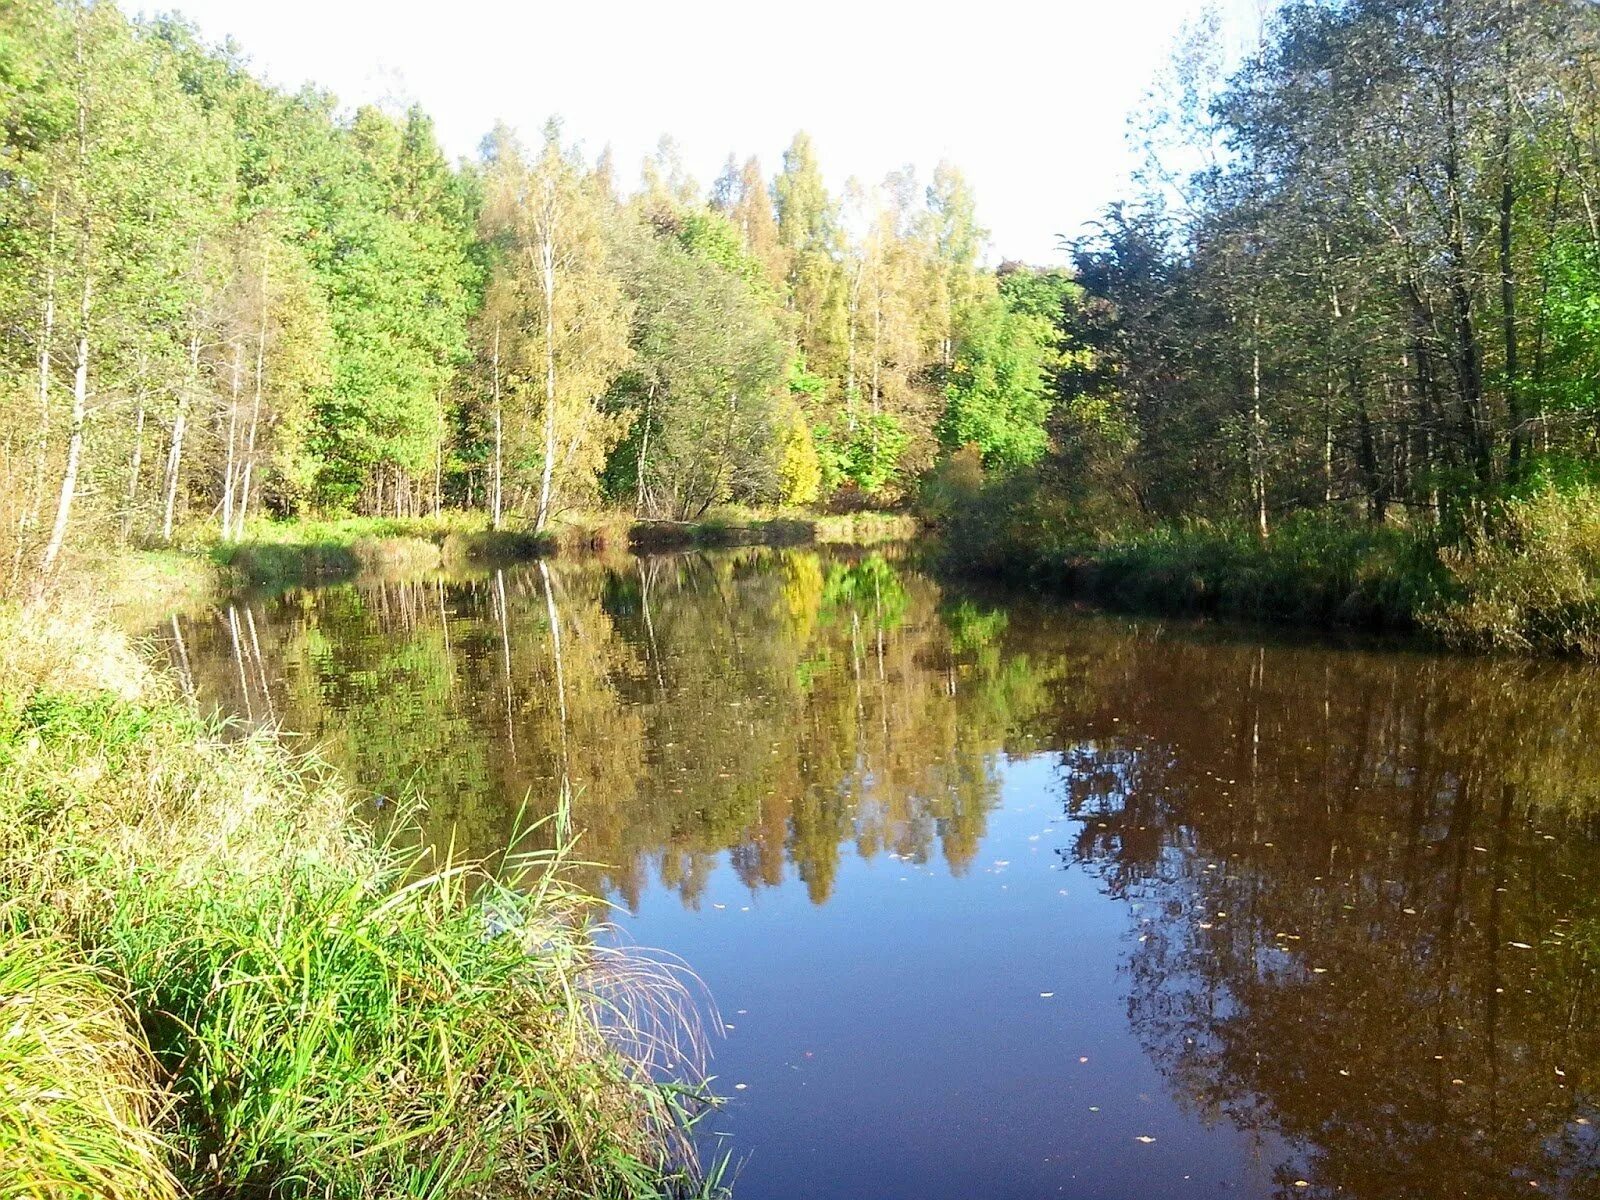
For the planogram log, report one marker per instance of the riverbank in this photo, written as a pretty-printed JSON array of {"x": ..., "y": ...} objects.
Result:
[
  {"x": 1526, "y": 581},
  {"x": 213, "y": 981},
  {"x": 275, "y": 554}
]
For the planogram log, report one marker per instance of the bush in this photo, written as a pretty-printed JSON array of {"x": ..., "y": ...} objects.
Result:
[
  {"x": 1314, "y": 568},
  {"x": 1529, "y": 578}
]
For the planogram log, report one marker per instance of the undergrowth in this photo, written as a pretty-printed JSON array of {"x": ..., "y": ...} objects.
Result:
[{"x": 1523, "y": 575}]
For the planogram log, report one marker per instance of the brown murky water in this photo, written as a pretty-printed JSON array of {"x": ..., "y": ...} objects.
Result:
[{"x": 1000, "y": 900}]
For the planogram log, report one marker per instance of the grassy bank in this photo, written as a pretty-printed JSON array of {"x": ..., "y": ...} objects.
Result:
[
  {"x": 284, "y": 553},
  {"x": 281, "y": 554},
  {"x": 1523, "y": 578},
  {"x": 212, "y": 981}
]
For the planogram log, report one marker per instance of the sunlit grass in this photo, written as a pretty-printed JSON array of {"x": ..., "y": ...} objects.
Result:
[
  {"x": 325, "y": 1015},
  {"x": 79, "y": 1099}
]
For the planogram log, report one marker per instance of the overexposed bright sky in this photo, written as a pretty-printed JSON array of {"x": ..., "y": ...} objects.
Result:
[{"x": 1029, "y": 99}]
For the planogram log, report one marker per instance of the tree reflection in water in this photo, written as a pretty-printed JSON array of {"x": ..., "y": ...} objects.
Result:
[{"x": 1362, "y": 883}]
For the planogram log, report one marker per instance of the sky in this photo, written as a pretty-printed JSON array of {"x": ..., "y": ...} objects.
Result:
[{"x": 1030, "y": 98}]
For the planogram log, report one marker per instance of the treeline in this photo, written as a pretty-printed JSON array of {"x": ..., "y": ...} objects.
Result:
[
  {"x": 220, "y": 300},
  {"x": 1378, "y": 289}
]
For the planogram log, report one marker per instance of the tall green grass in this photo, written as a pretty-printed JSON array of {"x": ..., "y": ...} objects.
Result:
[
  {"x": 79, "y": 1099},
  {"x": 277, "y": 1005},
  {"x": 1528, "y": 577}
]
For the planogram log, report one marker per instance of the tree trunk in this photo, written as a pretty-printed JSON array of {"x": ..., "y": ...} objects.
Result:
[
  {"x": 547, "y": 264},
  {"x": 1258, "y": 449},
  {"x": 180, "y": 424},
  {"x": 644, "y": 449},
  {"x": 1371, "y": 470},
  {"x": 80, "y": 373},
  {"x": 255, "y": 406},
  {"x": 80, "y": 411},
  {"x": 497, "y": 485},
  {"x": 228, "y": 467},
  {"x": 1508, "y": 288},
  {"x": 137, "y": 460},
  {"x": 1468, "y": 353}
]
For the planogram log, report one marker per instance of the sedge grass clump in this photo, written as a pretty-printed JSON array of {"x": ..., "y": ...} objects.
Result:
[
  {"x": 326, "y": 1015},
  {"x": 395, "y": 555},
  {"x": 376, "y": 1032},
  {"x": 78, "y": 1092}
]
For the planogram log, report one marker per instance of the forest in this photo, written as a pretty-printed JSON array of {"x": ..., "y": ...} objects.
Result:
[
  {"x": 1336, "y": 355},
  {"x": 1331, "y": 356},
  {"x": 224, "y": 301}
]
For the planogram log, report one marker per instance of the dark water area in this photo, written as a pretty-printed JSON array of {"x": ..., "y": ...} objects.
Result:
[{"x": 1003, "y": 900}]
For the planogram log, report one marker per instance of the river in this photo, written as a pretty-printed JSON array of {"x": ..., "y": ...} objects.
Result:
[{"x": 1002, "y": 899}]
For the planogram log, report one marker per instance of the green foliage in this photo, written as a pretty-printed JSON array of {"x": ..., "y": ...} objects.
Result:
[
  {"x": 400, "y": 280},
  {"x": 709, "y": 361},
  {"x": 996, "y": 394},
  {"x": 1572, "y": 308},
  {"x": 80, "y": 1098},
  {"x": 865, "y": 456}
]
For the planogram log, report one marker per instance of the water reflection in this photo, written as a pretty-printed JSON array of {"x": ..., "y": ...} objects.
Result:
[{"x": 1358, "y": 886}]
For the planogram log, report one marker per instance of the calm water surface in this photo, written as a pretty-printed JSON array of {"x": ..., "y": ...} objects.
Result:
[{"x": 1003, "y": 901}]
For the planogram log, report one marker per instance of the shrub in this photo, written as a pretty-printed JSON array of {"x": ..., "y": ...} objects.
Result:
[{"x": 1529, "y": 577}]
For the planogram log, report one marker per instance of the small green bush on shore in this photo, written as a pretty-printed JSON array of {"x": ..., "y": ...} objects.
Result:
[{"x": 323, "y": 1015}]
